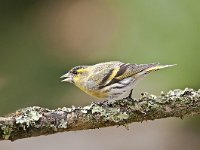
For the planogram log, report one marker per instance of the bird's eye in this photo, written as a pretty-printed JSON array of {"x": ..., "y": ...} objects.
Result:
[{"x": 75, "y": 72}]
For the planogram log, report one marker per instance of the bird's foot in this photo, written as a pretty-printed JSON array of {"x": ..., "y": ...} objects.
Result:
[{"x": 129, "y": 97}]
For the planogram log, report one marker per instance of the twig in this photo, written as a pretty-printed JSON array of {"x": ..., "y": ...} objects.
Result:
[{"x": 35, "y": 121}]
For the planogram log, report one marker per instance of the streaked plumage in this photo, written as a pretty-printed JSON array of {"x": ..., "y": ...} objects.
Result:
[{"x": 110, "y": 80}]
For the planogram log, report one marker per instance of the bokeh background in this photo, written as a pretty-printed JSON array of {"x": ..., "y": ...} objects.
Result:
[{"x": 41, "y": 40}]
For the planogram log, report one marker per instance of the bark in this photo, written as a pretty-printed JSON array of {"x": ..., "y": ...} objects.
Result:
[{"x": 35, "y": 121}]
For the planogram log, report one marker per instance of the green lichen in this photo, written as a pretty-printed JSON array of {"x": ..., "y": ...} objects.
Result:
[
  {"x": 180, "y": 93},
  {"x": 28, "y": 117},
  {"x": 162, "y": 93},
  {"x": 86, "y": 109},
  {"x": 110, "y": 114},
  {"x": 53, "y": 127},
  {"x": 119, "y": 116},
  {"x": 73, "y": 108},
  {"x": 98, "y": 109},
  {"x": 66, "y": 109},
  {"x": 136, "y": 107},
  {"x": 6, "y": 132},
  {"x": 62, "y": 124},
  {"x": 152, "y": 97}
]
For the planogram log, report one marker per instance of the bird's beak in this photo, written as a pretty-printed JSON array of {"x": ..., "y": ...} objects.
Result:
[{"x": 66, "y": 78}]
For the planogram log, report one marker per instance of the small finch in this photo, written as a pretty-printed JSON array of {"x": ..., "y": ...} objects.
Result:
[{"x": 109, "y": 80}]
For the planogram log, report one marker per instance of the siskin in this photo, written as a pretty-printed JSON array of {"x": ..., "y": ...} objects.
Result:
[{"x": 109, "y": 80}]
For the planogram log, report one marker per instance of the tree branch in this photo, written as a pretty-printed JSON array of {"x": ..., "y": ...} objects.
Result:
[{"x": 35, "y": 121}]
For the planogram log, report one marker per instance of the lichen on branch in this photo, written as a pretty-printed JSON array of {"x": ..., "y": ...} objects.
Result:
[{"x": 35, "y": 121}]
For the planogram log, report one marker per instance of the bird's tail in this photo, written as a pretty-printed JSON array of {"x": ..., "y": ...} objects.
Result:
[{"x": 158, "y": 67}]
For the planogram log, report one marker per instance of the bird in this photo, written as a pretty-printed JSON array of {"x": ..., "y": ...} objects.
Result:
[{"x": 112, "y": 80}]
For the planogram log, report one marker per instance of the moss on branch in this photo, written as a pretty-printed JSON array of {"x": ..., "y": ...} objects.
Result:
[{"x": 35, "y": 121}]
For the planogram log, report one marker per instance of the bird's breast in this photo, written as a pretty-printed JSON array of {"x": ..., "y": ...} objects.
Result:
[
  {"x": 98, "y": 94},
  {"x": 94, "y": 92}
]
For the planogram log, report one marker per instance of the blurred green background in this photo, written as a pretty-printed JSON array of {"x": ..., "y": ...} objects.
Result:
[{"x": 41, "y": 40}]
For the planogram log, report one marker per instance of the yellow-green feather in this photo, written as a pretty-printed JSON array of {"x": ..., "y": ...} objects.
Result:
[{"x": 113, "y": 74}]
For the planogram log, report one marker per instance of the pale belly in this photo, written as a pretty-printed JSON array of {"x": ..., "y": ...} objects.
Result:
[
  {"x": 115, "y": 91},
  {"x": 121, "y": 90}
]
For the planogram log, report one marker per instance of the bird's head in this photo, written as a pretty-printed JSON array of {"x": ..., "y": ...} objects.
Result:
[{"x": 75, "y": 74}]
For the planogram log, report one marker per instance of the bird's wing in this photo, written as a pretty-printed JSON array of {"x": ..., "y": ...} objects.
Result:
[
  {"x": 101, "y": 73},
  {"x": 123, "y": 71},
  {"x": 129, "y": 70}
]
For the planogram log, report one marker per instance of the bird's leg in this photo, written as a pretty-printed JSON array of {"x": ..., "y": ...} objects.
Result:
[{"x": 130, "y": 94}]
